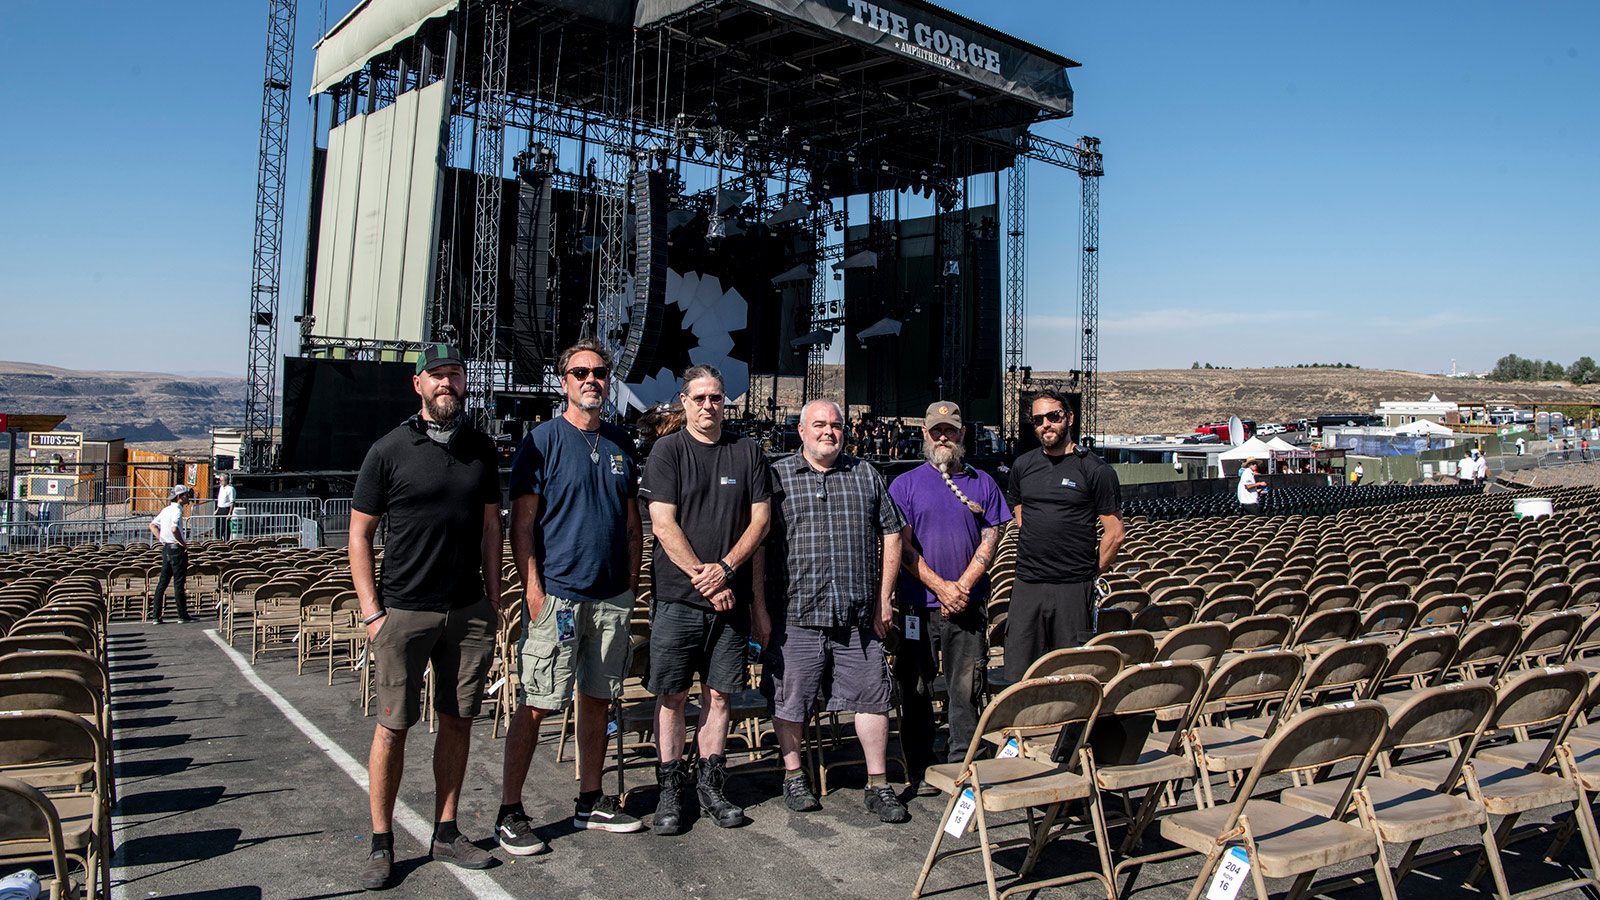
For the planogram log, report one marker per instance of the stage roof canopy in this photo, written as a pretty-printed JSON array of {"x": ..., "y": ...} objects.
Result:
[{"x": 904, "y": 83}]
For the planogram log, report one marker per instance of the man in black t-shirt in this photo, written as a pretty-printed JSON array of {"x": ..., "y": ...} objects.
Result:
[
  {"x": 437, "y": 600},
  {"x": 1057, "y": 493},
  {"x": 710, "y": 503}
]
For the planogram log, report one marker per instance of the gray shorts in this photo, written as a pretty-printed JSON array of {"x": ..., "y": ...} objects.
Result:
[
  {"x": 594, "y": 656},
  {"x": 845, "y": 666},
  {"x": 459, "y": 644}
]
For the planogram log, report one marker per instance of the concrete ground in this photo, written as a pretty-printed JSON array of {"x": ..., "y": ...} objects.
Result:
[{"x": 239, "y": 783}]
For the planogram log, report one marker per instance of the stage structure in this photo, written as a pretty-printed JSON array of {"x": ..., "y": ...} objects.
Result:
[{"x": 732, "y": 182}]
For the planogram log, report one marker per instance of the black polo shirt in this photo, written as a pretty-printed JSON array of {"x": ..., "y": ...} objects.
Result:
[
  {"x": 1062, "y": 498},
  {"x": 434, "y": 496}
]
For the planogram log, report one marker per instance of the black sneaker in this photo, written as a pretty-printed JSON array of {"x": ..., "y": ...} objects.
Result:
[
  {"x": 797, "y": 794},
  {"x": 882, "y": 800},
  {"x": 517, "y": 837},
  {"x": 378, "y": 873},
  {"x": 604, "y": 815},
  {"x": 462, "y": 852},
  {"x": 186, "y": 619}
]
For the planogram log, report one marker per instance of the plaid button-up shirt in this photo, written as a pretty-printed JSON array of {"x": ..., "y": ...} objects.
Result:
[{"x": 824, "y": 558}]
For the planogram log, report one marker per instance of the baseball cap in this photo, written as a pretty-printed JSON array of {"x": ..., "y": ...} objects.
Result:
[
  {"x": 942, "y": 412},
  {"x": 180, "y": 490},
  {"x": 436, "y": 355}
]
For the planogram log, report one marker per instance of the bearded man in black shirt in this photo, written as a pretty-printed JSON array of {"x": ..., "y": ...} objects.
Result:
[{"x": 1057, "y": 493}]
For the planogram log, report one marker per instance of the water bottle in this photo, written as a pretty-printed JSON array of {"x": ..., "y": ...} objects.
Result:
[{"x": 22, "y": 885}]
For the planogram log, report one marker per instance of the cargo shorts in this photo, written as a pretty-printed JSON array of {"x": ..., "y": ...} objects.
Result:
[{"x": 585, "y": 644}]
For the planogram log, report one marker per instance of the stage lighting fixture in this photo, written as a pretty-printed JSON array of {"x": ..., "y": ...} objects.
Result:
[
  {"x": 805, "y": 145},
  {"x": 838, "y": 276},
  {"x": 717, "y": 229},
  {"x": 883, "y": 166},
  {"x": 850, "y": 157}
]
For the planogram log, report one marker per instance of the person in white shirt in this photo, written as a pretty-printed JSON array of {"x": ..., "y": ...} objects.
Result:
[
  {"x": 167, "y": 528},
  {"x": 1480, "y": 471},
  {"x": 1522, "y": 446},
  {"x": 1249, "y": 487},
  {"x": 1357, "y": 475},
  {"x": 225, "y": 498},
  {"x": 1466, "y": 469}
]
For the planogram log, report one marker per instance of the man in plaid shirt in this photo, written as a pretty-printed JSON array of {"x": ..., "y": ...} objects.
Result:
[{"x": 833, "y": 571}]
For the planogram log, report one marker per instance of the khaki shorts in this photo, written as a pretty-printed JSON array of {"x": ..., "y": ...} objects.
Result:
[
  {"x": 594, "y": 658},
  {"x": 460, "y": 644}
]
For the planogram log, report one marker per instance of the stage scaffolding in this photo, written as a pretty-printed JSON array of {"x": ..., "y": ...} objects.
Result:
[{"x": 757, "y": 100}]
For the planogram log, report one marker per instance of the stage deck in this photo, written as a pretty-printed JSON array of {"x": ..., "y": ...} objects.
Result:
[{"x": 241, "y": 782}]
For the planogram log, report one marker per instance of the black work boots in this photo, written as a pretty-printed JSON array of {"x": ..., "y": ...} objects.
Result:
[{"x": 706, "y": 779}]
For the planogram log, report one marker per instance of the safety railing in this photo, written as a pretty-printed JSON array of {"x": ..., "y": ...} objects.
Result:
[{"x": 304, "y": 507}]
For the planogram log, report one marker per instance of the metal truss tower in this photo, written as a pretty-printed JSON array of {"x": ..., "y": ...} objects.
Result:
[
  {"x": 267, "y": 250},
  {"x": 1016, "y": 295},
  {"x": 1091, "y": 169},
  {"x": 814, "y": 388},
  {"x": 491, "y": 125}
]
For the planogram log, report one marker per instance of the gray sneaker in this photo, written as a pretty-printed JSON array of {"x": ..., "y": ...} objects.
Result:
[
  {"x": 378, "y": 872},
  {"x": 798, "y": 796},
  {"x": 462, "y": 852}
]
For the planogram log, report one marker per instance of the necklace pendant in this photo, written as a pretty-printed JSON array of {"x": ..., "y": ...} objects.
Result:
[{"x": 594, "y": 457}]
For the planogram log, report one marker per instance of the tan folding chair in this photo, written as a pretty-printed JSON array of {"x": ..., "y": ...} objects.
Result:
[
  {"x": 59, "y": 752},
  {"x": 1280, "y": 841},
  {"x": 37, "y": 831},
  {"x": 1539, "y": 774},
  {"x": 1435, "y": 719},
  {"x": 1028, "y": 709},
  {"x": 1100, "y": 663},
  {"x": 1246, "y": 686},
  {"x": 1135, "y": 646},
  {"x": 1341, "y": 673},
  {"x": 1202, "y": 640}
]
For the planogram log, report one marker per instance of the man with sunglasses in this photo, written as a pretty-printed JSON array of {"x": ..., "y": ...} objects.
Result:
[
  {"x": 835, "y": 555},
  {"x": 1058, "y": 493},
  {"x": 576, "y": 539},
  {"x": 709, "y": 497}
]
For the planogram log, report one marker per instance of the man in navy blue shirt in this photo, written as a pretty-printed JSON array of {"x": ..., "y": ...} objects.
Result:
[{"x": 576, "y": 540}]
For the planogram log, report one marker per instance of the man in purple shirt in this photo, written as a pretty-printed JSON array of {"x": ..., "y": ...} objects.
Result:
[{"x": 953, "y": 518}]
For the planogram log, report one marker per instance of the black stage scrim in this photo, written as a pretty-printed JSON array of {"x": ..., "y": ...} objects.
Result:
[
  {"x": 334, "y": 409},
  {"x": 898, "y": 374}
]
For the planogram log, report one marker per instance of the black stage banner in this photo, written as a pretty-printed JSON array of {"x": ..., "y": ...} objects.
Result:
[{"x": 934, "y": 37}]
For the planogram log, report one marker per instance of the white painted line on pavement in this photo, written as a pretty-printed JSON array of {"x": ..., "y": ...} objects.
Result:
[{"x": 474, "y": 880}]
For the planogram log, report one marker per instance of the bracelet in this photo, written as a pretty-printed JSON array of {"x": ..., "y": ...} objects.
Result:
[
  {"x": 375, "y": 617},
  {"x": 727, "y": 571}
]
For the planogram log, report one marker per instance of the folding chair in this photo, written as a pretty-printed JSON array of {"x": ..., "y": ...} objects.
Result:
[
  {"x": 1065, "y": 704},
  {"x": 1547, "y": 640},
  {"x": 1499, "y": 604},
  {"x": 1486, "y": 651},
  {"x": 1259, "y": 632},
  {"x": 1135, "y": 646},
  {"x": 1326, "y": 628},
  {"x": 1343, "y": 672},
  {"x": 1420, "y": 660},
  {"x": 59, "y": 752},
  {"x": 1163, "y": 616},
  {"x": 1226, "y": 609},
  {"x": 1436, "y": 720},
  {"x": 1280, "y": 841},
  {"x": 1202, "y": 640},
  {"x": 1541, "y": 697},
  {"x": 39, "y": 831},
  {"x": 1100, "y": 663},
  {"x": 1249, "y": 683}
]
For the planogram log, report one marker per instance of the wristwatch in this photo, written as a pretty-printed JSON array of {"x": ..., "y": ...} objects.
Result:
[
  {"x": 727, "y": 570},
  {"x": 374, "y": 617}
]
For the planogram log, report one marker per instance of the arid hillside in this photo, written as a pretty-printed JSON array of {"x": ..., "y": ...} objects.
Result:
[
  {"x": 1171, "y": 400},
  {"x": 138, "y": 406}
]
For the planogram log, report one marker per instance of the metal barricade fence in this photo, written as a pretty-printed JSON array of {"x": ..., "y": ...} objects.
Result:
[
  {"x": 136, "y": 530},
  {"x": 304, "y": 507}
]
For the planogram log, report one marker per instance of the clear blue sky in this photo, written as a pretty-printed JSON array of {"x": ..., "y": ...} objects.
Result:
[{"x": 1388, "y": 184}]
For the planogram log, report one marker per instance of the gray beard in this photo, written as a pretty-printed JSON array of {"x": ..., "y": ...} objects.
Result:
[
  {"x": 815, "y": 452},
  {"x": 589, "y": 405},
  {"x": 942, "y": 457}
]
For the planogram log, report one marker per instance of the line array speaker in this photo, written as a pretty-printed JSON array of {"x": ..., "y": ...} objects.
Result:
[{"x": 650, "y": 274}]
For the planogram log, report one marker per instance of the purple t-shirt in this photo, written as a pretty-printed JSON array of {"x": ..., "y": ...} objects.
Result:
[{"x": 946, "y": 532}]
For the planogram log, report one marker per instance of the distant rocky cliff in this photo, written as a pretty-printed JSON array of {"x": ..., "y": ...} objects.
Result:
[{"x": 137, "y": 406}]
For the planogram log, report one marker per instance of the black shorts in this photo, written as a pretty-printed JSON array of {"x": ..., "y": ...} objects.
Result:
[
  {"x": 1045, "y": 617},
  {"x": 686, "y": 641}
]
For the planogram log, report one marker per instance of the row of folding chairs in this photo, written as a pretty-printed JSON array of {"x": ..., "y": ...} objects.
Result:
[
  {"x": 1069, "y": 733},
  {"x": 56, "y": 777}
]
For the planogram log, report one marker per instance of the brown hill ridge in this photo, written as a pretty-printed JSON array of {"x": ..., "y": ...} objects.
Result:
[{"x": 138, "y": 406}]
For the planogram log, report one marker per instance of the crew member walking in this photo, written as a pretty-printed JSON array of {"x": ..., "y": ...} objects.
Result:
[
  {"x": 710, "y": 503},
  {"x": 576, "y": 539},
  {"x": 1058, "y": 492},
  {"x": 225, "y": 499},
  {"x": 1251, "y": 486},
  {"x": 437, "y": 479},
  {"x": 168, "y": 528}
]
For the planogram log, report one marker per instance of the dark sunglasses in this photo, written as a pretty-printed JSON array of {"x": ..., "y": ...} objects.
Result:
[
  {"x": 601, "y": 373},
  {"x": 1054, "y": 417}
]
